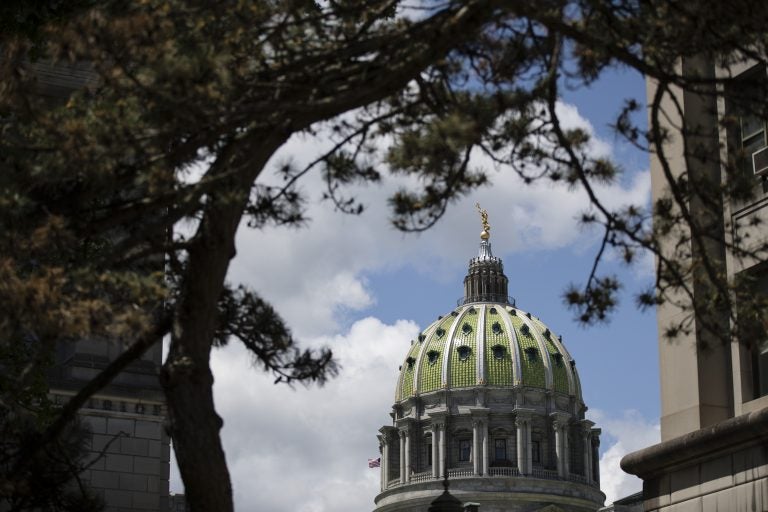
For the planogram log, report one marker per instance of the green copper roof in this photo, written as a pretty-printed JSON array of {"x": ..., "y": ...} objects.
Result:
[
  {"x": 484, "y": 344},
  {"x": 497, "y": 361},
  {"x": 463, "y": 360}
]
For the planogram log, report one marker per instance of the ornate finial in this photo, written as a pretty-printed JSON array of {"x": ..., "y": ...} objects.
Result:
[{"x": 486, "y": 233}]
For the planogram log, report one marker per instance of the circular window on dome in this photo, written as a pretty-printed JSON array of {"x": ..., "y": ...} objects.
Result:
[
  {"x": 464, "y": 352},
  {"x": 493, "y": 311},
  {"x": 525, "y": 330},
  {"x": 439, "y": 332},
  {"x": 498, "y": 352},
  {"x": 496, "y": 328},
  {"x": 466, "y": 328},
  {"x": 432, "y": 356},
  {"x": 472, "y": 311},
  {"x": 532, "y": 354}
]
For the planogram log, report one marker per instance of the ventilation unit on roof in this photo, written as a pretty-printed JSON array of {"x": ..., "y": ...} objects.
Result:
[{"x": 760, "y": 161}]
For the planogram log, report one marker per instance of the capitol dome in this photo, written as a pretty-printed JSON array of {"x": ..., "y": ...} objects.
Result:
[{"x": 489, "y": 396}]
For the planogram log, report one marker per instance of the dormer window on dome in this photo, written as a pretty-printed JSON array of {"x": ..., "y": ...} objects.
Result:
[
  {"x": 498, "y": 352},
  {"x": 440, "y": 332},
  {"x": 466, "y": 328},
  {"x": 464, "y": 352},
  {"x": 409, "y": 363},
  {"x": 432, "y": 356},
  {"x": 496, "y": 328},
  {"x": 558, "y": 359},
  {"x": 493, "y": 311},
  {"x": 532, "y": 354},
  {"x": 525, "y": 330}
]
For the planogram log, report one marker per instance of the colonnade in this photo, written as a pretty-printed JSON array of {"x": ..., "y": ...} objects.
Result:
[{"x": 403, "y": 435}]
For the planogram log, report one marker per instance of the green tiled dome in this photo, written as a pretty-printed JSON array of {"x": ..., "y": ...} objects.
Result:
[{"x": 487, "y": 344}]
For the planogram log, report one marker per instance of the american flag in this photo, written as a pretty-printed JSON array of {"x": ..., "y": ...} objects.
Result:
[{"x": 374, "y": 463}]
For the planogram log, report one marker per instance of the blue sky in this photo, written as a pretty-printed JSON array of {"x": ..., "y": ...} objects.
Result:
[{"x": 365, "y": 290}]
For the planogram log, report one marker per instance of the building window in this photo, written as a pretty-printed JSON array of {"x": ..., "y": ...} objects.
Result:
[
  {"x": 752, "y": 328},
  {"x": 760, "y": 369},
  {"x": 464, "y": 352},
  {"x": 536, "y": 452},
  {"x": 558, "y": 359},
  {"x": 466, "y": 328},
  {"x": 426, "y": 452},
  {"x": 498, "y": 352},
  {"x": 751, "y": 137},
  {"x": 500, "y": 449},
  {"x": 432, "y": 356},
  {"x": 409, "y": 363},
  {"x": 531, "y": 353},
  {"x": 496, "y": 328},
  {"x": 464, "y": 450},
  {"x": 745, "y": 97}
]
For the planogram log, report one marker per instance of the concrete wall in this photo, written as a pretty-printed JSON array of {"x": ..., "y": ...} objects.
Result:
[{"x": 732, "y": 482}]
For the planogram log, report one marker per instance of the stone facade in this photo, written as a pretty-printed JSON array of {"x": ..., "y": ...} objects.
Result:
[
  {"x": 714, "y": 423},
  {"x": 128, "y": 463},
  {"x": 130, "y": 455}
]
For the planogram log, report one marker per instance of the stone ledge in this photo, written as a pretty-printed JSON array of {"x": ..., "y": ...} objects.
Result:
[{"x": 751, "y": 428}]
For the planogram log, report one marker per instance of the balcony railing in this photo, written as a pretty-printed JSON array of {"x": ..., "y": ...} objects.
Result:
[
  {"x": 421, "y": 477},
  {"x": 503, "y": 472},
  {"x": 547, "y": 474},
  {"x": 487, "y": 297},
  {"x": 512, "y": 472}
]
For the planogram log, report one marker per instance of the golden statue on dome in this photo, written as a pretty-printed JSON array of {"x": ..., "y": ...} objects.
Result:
[{"x": 486, "y": 233}]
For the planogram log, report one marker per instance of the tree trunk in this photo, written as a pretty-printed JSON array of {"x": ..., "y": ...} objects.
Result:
[{"x": 186, "y": 375}]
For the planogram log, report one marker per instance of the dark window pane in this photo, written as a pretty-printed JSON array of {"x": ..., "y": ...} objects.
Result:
[
  {"x": 500, "y": 449},
  {"x": 464, "y": 450}
]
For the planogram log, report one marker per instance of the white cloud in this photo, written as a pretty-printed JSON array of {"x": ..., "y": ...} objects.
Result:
[
  {"x": 306, "y": 449},
  {"x": 628, "y": 433}
]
